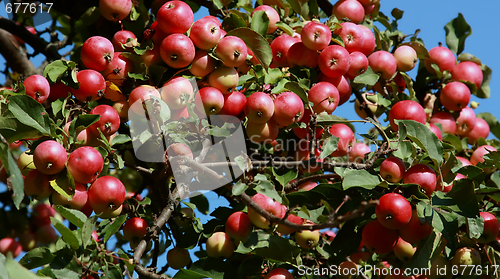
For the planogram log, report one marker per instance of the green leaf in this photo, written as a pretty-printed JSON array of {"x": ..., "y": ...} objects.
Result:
[
  {"x": 475, "y": 227},
  {"x": 283, "y": 26},
  {"x": 360, "y": 178},
  {"x": 64, "y": 184},
  {"x": 397, "y": 13},
  {"x": 266, "y": 188},
  {"x": 75, "y": 217},
  {"x": 484, "y": 90},
  {"x": 260, "y": 22},
  {"x": 424, "y": 138},
  {"x": 55, "y": 70},
  {"x": 112, "y": 272},
  {"x": 457, "y": 30},
  {"x": 29, "y": 112},
  {"x": 256, "y": 43},
  {"x": 286, "y": 177},
  {"x": 201, "y": 203},
  {"x": 238, "y": 188},
  {"x": 464, "y": 197},
  {"x": 13, "y": 173},
  {"x": 325, "y": 119},
  {"x": 297, "y": 89},
  {"x": 67, "y": 235},
  {"x": 423, "y": 256},
  {"x": 367, "y": 78},
  {"x": 120, "y": 139},
  {"x": 114, "y": 227},
  {"x": 17, "y": 271},
  {"x": 37, "y": 257},
  {"x": 296, "y": 7},
  {"x": 329, "y": 147},
  {"x": 87, "y": 230}
]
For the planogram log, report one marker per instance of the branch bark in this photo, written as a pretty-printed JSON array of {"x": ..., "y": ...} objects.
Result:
[
  {"x": 15, "y": 57},
  {"x": 38, "y": 44}
]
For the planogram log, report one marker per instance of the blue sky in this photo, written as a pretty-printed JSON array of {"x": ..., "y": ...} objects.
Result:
[{"x": 430, "y": 16}]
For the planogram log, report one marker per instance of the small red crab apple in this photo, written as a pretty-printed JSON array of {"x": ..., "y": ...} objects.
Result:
[
  {"x": 307, "y": 239},
  {"x": 279, "y": 273},
  {"x": 480, "y": 130},
  {"x": 177, "y": 92},
  {"x": 280, "y": 47},
  {"x": 175, "y": 17},
  {"x": 78, "y": 201},
  {"x": 447, "y": 121},
  {"x": 346, "y": 139},
  {"x": 9, "y": 244},
  {"x": 351, "y": 9},
  {"x": 259, "y": 108},
  {"x": 442, "y": 57},
  {"x": 85, "y": 164},
  {"x": 232, "y": 51},
  {"x": 106, "y": 194},
  {"x": 316, "y": 35},
  {"x": 468, "y": 71},
  {"x": 134, "y": 230},
  {"x": 378, "y": 238},
  {"x": 141, "y": 93},
  {"x": 324, "y": 96},
  {"x": 352, "y": 35},
  {"x": 406, "y": 110},
  {"x": 455, "y": 96},
  {"x": 108, "y": 123},
  {"x": 415, "y": 231},
  {"x": 178, "y": 258},
  {"x": 272, "y": 14},
  {"x": 477, "y": 155},
  {"x": 267, "y": 204},
  {"x": 406, "y": 58},
  {"x": 288, "y": 109},
  {"x": 50, "y": 157},
  {"x": 393, "y": 211},
  {"x": 92, "y": 85},
  {"x": 466, "y": 121},
  {"x": 491, "y": 228},
  {"x": 97, "y": 52},
  {"x": 37, "y": 87},
  {"x": 262, "y": 132},
  {"x": 422, "y": 175},
  {"x": 224, "y": 78},
  {"x": 239, "y": 226},
  {"x": 220, "y": 245},
  {"x": 383, "y": 63},
  {"x": 115, "y": 10}
]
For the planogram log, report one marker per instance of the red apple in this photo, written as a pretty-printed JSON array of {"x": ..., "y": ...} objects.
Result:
[
  {"x": 352, "y": 35},
  {"x": 393, "y": 211},
  {"x": 369, "y": 42},
  {"x": 177, "y": 50},
  {"x": 115, "y": 10},
  {"x": 175, "y": 17},
  {"x": 324, "y": 96},
  {"x": 280, "y": 47},
  {"x": 477, "y": 155},
  {"x": 262, "y": 132},
  {"x": 406, "y": 58},
  {"x": 268, "y": 205},
  {"x": 134, "y": 230},
  {"x": 383, "y": 63},
  {"x": 442, "y": 57},
  {"x": 272, "y": 14},
  {"x": 357, "y": 152},
  {"x": 259, "y": 107},
  {"x": 108, "y": 123},
  {"x": 468, "y": 71},
  {"x": 85, "y": 164},
  {"x": 203, "y": 64},
  {"x": 316, "y": 35},
  {"x": 378, "y": 238},
  {"x": 141, "y": 94},
  {"x": 177, "y": 92},
  {"x": 359, "y": 64},
  {"x": 300, "y": 55},
  {"x": 224, "y": 78},
  {"x": 406, "y": 110},
  {"x": 288, "y": 109},
  {"x": 232, "y": 51},
  {"x": 211, "y": 99},
  {"x": 78, "y": 201},
  {"x": 106, "y": 194},
  {"x": 9, "y": 244},
  {"x": 50, "y": 157},
  {"x": 239, "y": 226},
  {"x": 392, "y": 169},
  {"x": 279, "y": 273},
  {"x": 436, "y": 131},
  {"x": 220, "y": 245},
  {"x": 422, "y": 175},
  {"x": 491, "y": 228},
  {"x": 350, "y": 9},
  {"x": 447, "y": 121},
  {"x": 37, "y": 185},
  {"x": 455, "y": 96},
  {"x": 404, "y": 250},
  {"x": 334, "y": 61},
  {"x": 346, "y": 138},
  {"x": 303, "y": 133},
  {"x": 121, "y": 37},
  {"x": 37, "y": 87},
  {"x": 480, "y": 130},
  {"x": 205, "y": 33}
]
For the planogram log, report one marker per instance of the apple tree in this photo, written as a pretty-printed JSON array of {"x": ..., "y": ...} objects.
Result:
[{"x": 119, "y": 118}]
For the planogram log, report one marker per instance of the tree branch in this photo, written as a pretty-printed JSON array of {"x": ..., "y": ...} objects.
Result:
[
  {"x": 13, "y": 54},
  {"x": 38, "y": 44}
]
